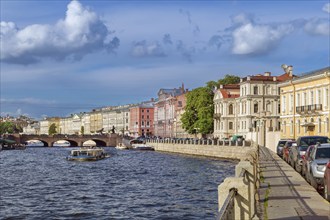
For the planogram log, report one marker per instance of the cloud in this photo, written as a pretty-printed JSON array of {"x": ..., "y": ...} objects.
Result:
[
  {"x": 144, "y": 49},
  {"x": 185, "y": 51},
  {"x": 256, "y": 39},
  {"x": 318, "y": 26},
  {"x": 195, "y": 27},
  {"x": 79, "y": 33},
  {"x": 326, "y": 8},
  {"x": 167, "y": 39}
]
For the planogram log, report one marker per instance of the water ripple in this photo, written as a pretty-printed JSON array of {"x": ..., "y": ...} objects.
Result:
[{"x": 41, "y": 184}]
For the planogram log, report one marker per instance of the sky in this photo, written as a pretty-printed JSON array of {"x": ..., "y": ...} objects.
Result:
[{"x": 63, "y": 57}]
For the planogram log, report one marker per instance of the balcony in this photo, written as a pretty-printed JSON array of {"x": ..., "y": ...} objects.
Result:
[
  {"x": 216, "y": 115},
  {"x": 308, "y": 108}
]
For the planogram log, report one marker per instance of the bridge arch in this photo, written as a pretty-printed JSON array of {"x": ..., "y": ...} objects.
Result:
[{"x": 72, "y": 142}]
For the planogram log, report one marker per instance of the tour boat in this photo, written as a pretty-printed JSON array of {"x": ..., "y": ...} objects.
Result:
[
  {"x": 142, "y": 147},
  {"x": 87, "y": 154},
  {"x": 121, "y": 147}
]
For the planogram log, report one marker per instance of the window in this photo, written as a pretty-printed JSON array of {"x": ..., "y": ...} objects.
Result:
[
  {"x": 142, "y": 116},
  {"x": 268, "y": 106},
  {"x": 230, "y": 125},
  {"x": 298, "y": 131},
  {"x": 291, "y": 103},
  {"x": 231, "y": 109},
  {"x": 147, "y": 110},
  {"x": 142, "y": 123},
  {"x": 326, "y": 97},
  {"x": 179, "y": 103},
  {"x": 318, "y": 98},
  {"x": 283, "y": 104},
  {"x": 148, "y": 123},
  {"x": 255, "y": 90},
  {"x": 312, "y": 98},
  {"x": 284, "y": 126},
  {"x": 291, "y": 128},
  {"x": 298, "y": 100},
  {"x": 142, "y": 110},
  {"x": 255, "y": 107},
  {"x": 319, "y": 125},
  {"x": 304, "y": 98}
]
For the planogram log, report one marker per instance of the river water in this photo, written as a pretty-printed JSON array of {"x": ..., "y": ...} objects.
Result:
[{"x": 39, "y": 183}]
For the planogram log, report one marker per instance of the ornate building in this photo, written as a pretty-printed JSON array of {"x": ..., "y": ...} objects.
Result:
[
  {"x": 250, "y": 109},
  {"x": 305, "y": 104},
  {"x": 165, "y": 108}
]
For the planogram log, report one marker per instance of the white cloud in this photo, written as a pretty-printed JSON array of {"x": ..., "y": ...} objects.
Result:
[
  {"x": 326, "y": 8},
  {"x": 79, "y": 33},
  {"x": 252, "y": 38},
  {"x": 318, "y": 26}
]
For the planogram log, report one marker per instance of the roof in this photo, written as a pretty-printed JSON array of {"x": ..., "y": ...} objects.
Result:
[
  {"x": 259, "y": 77},
  {"x": 172, "y": 92},
  {"x": 226, "y": 94}
]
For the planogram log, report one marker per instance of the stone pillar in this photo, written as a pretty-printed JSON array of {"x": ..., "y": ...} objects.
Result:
[
  {"x": 249, "y": 179},
  {"x": 241, "y": 202}
]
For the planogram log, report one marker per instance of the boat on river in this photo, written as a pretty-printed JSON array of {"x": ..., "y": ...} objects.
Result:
[
  {"x": 87, "y": 154},
  {"x": 121, "y": 147},
  {"x": 142, "y": 147}
]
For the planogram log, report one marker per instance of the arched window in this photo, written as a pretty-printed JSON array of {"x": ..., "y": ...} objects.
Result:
[{"x": 231, "y": 109}]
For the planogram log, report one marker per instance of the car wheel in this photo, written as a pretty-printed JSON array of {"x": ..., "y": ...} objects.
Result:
[
  {"x": 313, "y": 182},
  {"x": 298, "y": 167}
]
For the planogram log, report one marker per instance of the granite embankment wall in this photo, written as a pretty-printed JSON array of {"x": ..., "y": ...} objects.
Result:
[{"x": 224, "y": 152}]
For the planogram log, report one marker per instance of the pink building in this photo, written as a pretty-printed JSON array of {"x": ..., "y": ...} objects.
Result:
[
  {"x": 165, "y": 111},
  {"x": 142, "y": 120}
]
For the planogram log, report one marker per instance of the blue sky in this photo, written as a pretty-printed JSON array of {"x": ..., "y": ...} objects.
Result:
[{"x": 61, "y": 57}]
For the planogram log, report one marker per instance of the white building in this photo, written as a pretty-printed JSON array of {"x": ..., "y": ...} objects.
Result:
[{"x": 252, "y": 110}]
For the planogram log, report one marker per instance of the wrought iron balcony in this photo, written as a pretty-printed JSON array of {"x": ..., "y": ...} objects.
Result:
[{"x": 308, "y": 108}]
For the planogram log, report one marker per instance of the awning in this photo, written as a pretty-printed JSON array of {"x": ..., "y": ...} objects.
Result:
[{"x": 7, "y": 141}]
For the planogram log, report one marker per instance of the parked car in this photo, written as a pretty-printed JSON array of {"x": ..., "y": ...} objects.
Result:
[
  {"x": 319, "y": 157},
  {"x": 280, "y": 145},
  {"x": 297, "y": 153},
  {"x": 286, "y": 150},
  {"x": 326, "y": 182},
  {"x": 238, "y": 138},
  {"x": 305, "y": 162}
]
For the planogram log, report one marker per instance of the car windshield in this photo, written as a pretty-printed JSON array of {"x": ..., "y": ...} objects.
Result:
[
  {"x": 322, "y": 153},
  {"x": 314, "y": 140},
  {"x": 289, "y": 144},
  {"x": 303, "y": 148}
]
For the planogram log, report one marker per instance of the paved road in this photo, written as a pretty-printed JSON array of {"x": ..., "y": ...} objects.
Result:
[{"x": 285, "y": 194}]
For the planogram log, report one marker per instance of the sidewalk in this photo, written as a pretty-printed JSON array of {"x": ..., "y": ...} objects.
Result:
[{"x": 285, "y": 194}]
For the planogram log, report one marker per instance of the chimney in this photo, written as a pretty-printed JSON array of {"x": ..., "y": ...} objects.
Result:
[{"x": 267, "y": 73}]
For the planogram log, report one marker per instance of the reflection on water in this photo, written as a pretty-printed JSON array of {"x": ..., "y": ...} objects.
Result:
[{"x": 38, "y": 183}]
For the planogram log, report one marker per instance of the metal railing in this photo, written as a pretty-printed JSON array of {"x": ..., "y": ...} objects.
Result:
[{"x": 226, "y": 212}]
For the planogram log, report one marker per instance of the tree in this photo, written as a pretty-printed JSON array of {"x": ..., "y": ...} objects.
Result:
[
  {"x": 7, "y": 127},
  {"x": 198, "y": 115},
  {"x": 229, "y": 79},
  {"x": 52, "y": 129}
]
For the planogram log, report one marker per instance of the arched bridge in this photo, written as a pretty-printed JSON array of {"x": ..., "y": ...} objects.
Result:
[{"x": 75, "y": 140}]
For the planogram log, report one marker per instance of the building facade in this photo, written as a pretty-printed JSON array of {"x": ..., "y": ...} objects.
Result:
[
  {"x": 305, "y": 104},
  {"x": 252, "y": 110},
  {"x": 142, "y": 120},
  {"x": 165, "y": 111}
]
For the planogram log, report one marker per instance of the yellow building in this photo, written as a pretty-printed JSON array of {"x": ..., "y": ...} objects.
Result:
[{"x": 305, "y": 105}]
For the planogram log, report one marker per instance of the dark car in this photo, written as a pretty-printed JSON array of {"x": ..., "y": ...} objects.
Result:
[{"x": 297, "y": 153}]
